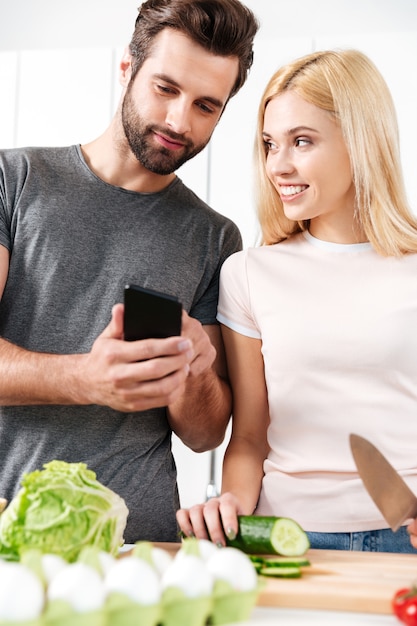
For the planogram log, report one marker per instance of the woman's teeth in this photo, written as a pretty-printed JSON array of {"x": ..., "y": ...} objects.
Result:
[{"x": 291, "y": 190}]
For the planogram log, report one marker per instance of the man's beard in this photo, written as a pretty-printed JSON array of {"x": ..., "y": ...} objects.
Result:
[{"x": 158, "y": 160}]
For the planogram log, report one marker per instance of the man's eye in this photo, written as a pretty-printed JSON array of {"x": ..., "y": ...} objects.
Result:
[
  {"x": 165, "y": 89},
  {"x": 205, "y": 107}
]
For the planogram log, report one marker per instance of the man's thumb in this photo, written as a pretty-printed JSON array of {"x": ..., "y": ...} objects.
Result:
[{"x": 114, "y": 330}]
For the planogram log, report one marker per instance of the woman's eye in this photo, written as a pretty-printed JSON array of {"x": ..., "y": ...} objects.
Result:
[
  {"x": 302, "y": 141},
  {"x": 268, "y": 145}
]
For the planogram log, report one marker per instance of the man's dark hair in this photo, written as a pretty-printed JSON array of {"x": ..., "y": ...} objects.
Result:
[{"x": 222, "y": 27}]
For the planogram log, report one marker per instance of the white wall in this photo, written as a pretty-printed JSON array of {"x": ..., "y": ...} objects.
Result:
[{"x": 58, "y": 77}]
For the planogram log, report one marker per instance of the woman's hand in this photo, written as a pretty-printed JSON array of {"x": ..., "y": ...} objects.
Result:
[
  {"x": 412, "y": 531},
  {"x": 214, "y": 520}
]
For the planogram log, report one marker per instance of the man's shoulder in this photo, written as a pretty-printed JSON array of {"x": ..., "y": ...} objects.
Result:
[
  {"x": 33, "y": 154},
  {"x": 194, "y": 202}
]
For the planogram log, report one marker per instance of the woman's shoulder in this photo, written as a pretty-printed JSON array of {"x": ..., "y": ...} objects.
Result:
[{"x": 261, "y": 251}]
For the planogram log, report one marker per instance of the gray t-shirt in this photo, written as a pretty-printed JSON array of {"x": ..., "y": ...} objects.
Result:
[{"x": 75, "y": 241}]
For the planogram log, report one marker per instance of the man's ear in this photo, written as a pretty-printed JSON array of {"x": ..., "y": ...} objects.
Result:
[{"x": 125, "y": 68}]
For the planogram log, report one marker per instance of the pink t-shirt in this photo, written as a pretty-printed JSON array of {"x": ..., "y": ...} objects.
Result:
[{"x": 338, "y": 325}]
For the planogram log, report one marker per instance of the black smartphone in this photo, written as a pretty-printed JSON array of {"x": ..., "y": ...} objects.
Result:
[{"x": 150, "y": 314}]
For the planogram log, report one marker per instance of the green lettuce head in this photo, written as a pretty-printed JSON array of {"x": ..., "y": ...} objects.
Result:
[{"x": 60, "y": 510}]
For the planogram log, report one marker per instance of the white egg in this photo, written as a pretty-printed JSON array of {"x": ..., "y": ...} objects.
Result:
[
  {"x": 80, "y": 585},
  {"x": 190, "y": 574},
  {"x": 235, "y": 567},
  {"x": 161, "y": 559},
  {"x": 136, "y": 578},
  {"x": 207, "y": 548},
  {"x": 51, "y": 565},
  {"x": 21, "y": 593},
  {"x": 107, "y": 561}
]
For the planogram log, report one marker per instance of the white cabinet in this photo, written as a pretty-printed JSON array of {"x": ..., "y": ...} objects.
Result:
[
  {"x": 8, "y": 89},
  {"x": 64, "y": 96}
]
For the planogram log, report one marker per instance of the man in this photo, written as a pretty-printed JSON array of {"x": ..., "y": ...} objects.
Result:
[{"x": 77, "y": 224}]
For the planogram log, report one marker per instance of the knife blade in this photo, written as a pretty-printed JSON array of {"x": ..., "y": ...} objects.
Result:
[{"x": 388, "y": 490}]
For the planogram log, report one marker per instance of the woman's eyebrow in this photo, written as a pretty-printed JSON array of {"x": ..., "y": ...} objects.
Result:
[{"x": 300, "y": 129}]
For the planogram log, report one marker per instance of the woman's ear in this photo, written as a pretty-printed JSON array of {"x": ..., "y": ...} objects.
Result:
[{"x": 125, "y": 68}]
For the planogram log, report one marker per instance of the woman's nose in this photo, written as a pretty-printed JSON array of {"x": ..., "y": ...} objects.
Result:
[{"x": 280, "y": 163}]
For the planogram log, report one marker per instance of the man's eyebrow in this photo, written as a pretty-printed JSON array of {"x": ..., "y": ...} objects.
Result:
[{"x": 167, "y": 79}]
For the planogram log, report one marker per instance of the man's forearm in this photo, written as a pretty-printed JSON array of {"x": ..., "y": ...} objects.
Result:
[
  {"x": 30, "y": 378},
  {"x": 200, "y": 417}
]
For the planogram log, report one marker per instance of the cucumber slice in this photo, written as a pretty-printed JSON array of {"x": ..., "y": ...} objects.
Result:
[
  {"x": 270, "y": 535},
  {"x": 258, "y": 566},
  {"x": 284, "y": 561},
  {"x": 281, "y": 572}
]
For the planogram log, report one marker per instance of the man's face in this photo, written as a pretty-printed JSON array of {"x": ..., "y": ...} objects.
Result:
[{"x": 173, "y": 104}]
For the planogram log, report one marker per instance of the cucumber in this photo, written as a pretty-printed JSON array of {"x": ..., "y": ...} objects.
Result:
[{"x": 259, "y": 534}]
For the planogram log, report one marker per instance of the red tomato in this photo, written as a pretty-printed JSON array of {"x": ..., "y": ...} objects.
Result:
[{"x": 404, "y": 605}]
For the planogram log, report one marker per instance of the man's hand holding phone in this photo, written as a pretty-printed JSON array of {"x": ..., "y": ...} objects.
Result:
[
  {"x": 134, "y": 375},
  {"x": 137, "y": 375}
]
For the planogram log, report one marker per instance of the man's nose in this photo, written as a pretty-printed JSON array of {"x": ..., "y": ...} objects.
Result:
[{"x": 178, "y": 117}]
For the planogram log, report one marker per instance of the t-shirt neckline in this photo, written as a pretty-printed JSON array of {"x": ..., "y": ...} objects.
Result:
[{"x": 336, "y": 247}]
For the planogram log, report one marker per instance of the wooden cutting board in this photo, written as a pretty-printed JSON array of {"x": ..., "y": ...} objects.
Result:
[{"x": 344, "y": 581}]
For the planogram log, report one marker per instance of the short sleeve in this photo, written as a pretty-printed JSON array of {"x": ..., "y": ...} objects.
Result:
[
  {"x": 234, "y": 309},
  {"x": 4, "y": 216},
  {"x": 228, "y": 241}
]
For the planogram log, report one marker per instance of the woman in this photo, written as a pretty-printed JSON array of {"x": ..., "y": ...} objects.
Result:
[{"x": 320, "y": 321}]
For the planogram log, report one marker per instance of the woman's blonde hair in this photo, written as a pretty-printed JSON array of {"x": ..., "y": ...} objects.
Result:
[{"x": 347, "y": 84}]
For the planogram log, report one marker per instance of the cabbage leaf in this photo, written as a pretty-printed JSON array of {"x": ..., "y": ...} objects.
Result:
[{"x": 60, "y": 510}]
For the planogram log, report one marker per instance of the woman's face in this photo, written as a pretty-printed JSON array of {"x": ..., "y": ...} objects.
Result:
[{"x": 309, "y": 165}]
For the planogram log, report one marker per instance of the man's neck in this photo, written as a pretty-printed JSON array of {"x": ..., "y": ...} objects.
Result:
[{"x": 111, "y": 159}]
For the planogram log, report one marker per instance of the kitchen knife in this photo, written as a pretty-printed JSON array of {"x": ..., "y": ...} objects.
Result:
[{"x": 387, "y": 489}]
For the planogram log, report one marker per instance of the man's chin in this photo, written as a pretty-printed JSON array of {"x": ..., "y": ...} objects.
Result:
[
  {"x": 163, "y": 168},
  {"x": 163, "y": 162}
]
